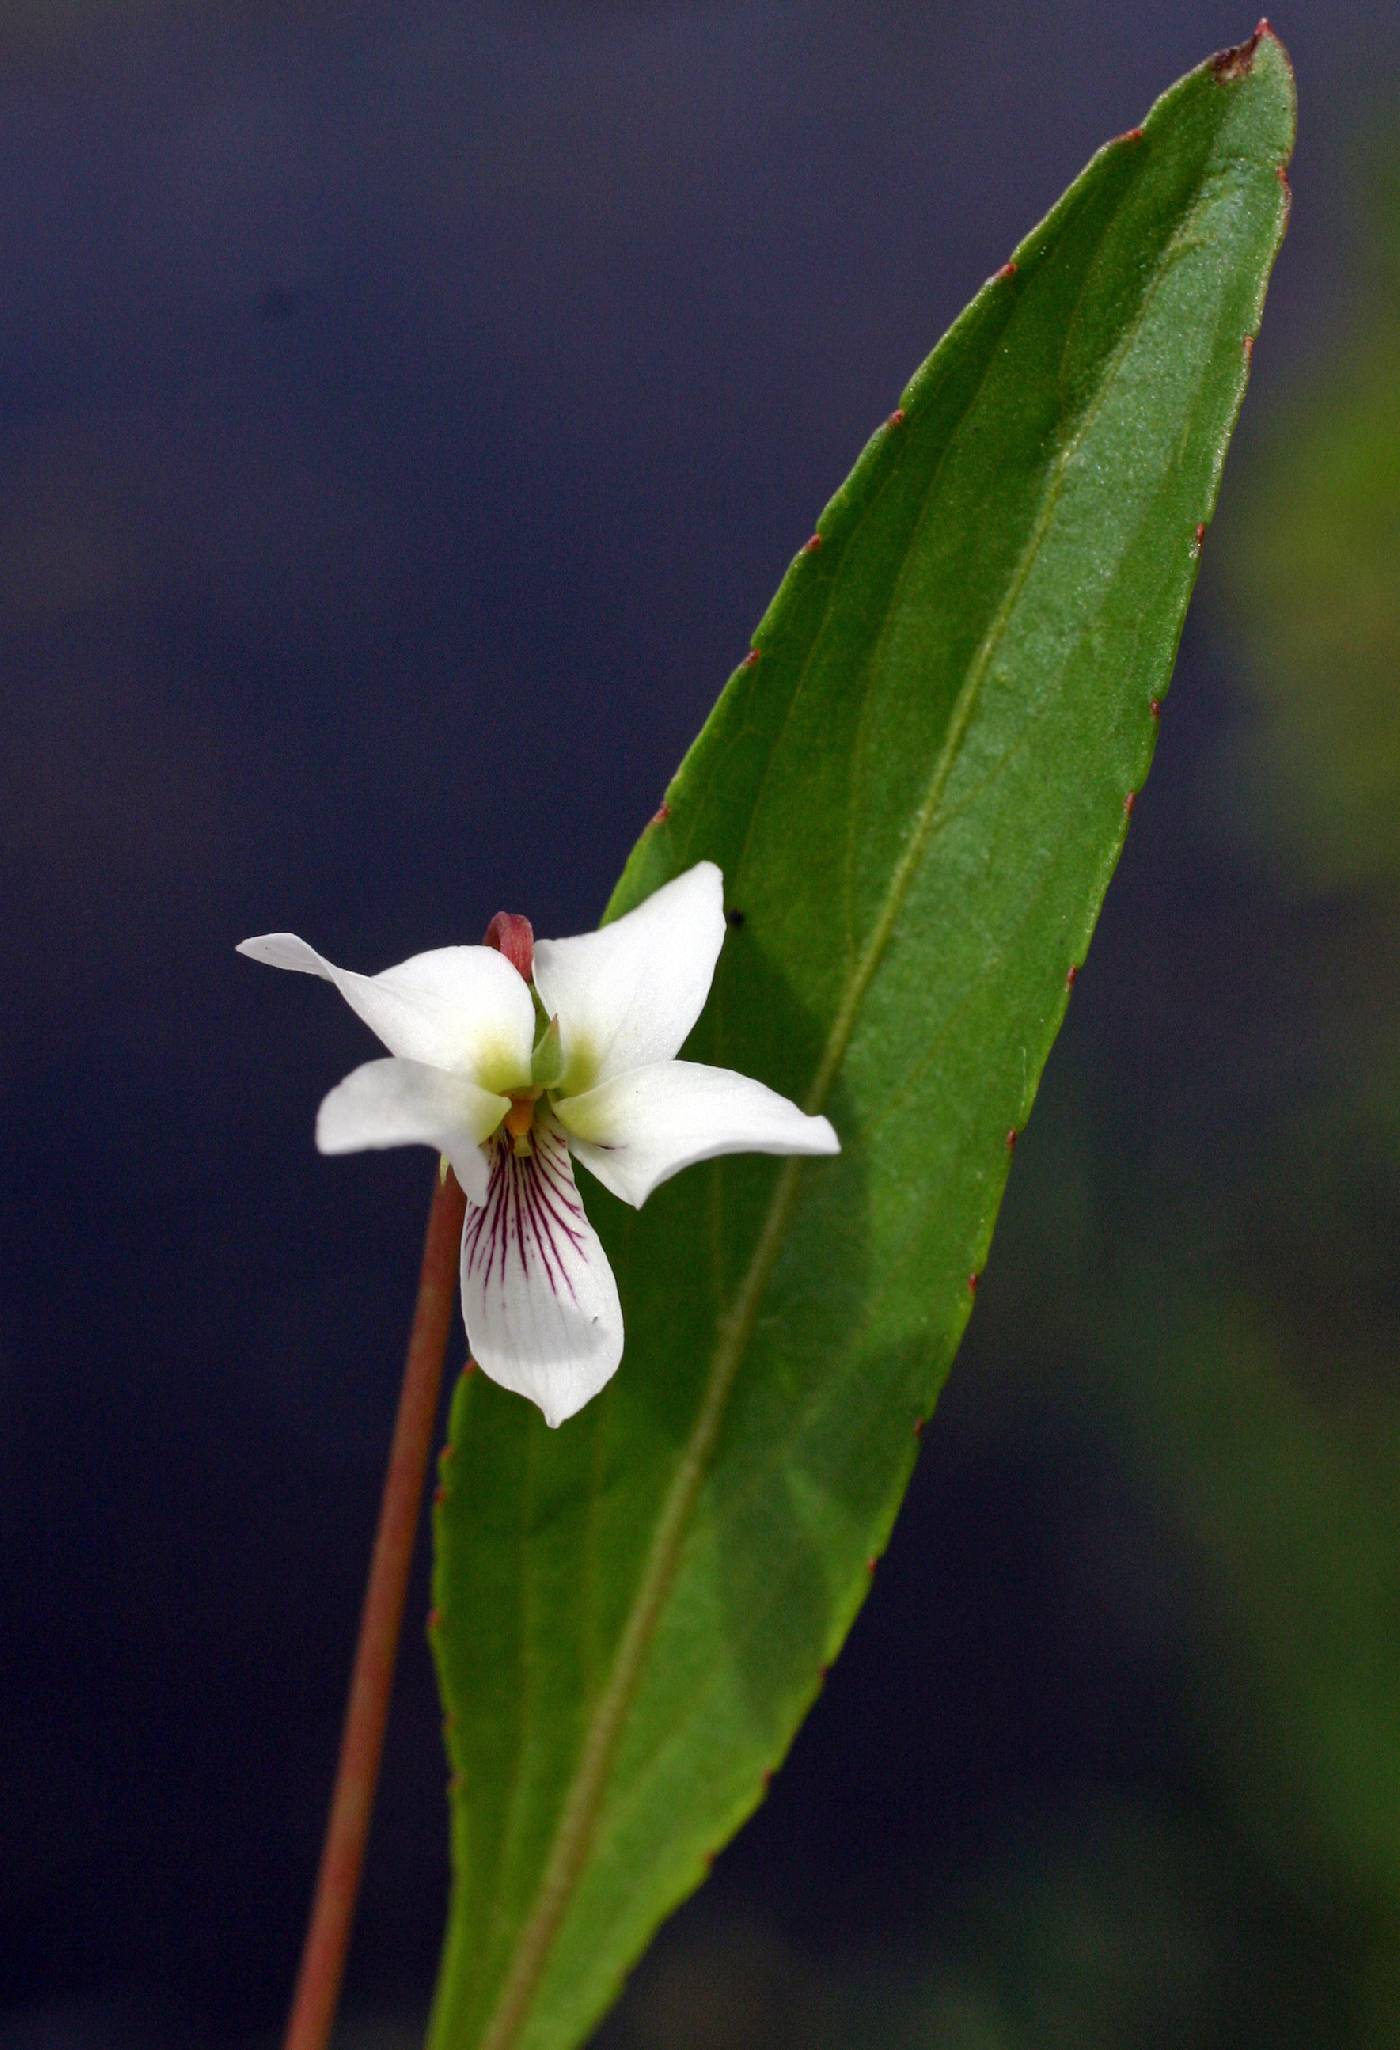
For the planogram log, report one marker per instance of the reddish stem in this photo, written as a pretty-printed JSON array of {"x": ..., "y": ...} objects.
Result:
[{"x": 367, "y": 1710}]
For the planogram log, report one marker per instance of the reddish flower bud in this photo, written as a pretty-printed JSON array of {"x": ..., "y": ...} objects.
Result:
[{"x": 513, "y": 936}]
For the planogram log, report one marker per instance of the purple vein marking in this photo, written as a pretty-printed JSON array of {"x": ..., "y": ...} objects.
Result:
[{"x": 532, "y": 1205}]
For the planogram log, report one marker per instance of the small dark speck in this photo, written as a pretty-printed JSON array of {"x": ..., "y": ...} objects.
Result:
[
  {"x": 277, "y": 303},
  {"x": 734, "y": 918}
]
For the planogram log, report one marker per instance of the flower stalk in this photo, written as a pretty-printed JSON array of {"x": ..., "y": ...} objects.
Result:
[{"x": 367, "y": 1710}]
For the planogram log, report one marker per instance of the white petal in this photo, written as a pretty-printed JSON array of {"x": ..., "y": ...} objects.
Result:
[
  {"x": 404, "y": 1103},
  {"x": 629, "y": 994},
  {"x": 637, "y": 1130},
  {"x": 538, "y": 1294},
  {"x": 461, "y": 1008}
]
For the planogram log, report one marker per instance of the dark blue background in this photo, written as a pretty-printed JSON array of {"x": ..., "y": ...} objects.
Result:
[{"x": 407, "y": 412}]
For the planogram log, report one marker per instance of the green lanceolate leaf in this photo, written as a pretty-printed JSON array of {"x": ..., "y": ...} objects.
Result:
[{"x": 917, "y": 789}]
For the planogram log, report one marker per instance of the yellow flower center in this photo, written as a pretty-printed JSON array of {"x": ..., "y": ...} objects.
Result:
[{"x": 519, "y": 1119}]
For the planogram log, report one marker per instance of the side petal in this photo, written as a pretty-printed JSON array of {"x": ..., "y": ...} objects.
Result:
[
  {"x": 635, "y": 1131},
  {"x": 538, "y": 1295},
  {"x": 629, "y": 994},
  {"x": 404, "y": 1103},
  {"x": 460, "y": 1008}
]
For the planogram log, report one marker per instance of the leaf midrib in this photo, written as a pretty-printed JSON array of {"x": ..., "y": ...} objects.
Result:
[{"x": 574, "y": 1832}]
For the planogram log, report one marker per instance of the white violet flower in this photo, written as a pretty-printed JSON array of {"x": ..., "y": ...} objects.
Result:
[{"x": 507, "y": 1064}]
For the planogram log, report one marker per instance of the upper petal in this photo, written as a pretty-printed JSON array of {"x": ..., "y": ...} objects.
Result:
[
  {"x": 460, "y": 1008},
  {"x": 538, "y": 1295},
  {"x": 637, "y": 1130},
  {"x": 628, "y": 994},
  {"x": 404, "y": 1103}
]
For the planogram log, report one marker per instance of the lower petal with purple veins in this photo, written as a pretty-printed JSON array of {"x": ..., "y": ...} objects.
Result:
[{"x": 538, "y": 1295}]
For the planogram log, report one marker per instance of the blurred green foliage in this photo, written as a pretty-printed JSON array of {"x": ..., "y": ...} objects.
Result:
[
  {"x": 1248, "y": 1369},
  {"x": 1314, "y": 561}
]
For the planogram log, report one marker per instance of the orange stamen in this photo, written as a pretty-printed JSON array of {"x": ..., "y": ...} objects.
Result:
[{"x": 521, "y": 1115}]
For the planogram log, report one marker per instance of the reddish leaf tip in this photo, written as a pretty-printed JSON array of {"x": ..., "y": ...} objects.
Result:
[
  {"x": 1012, "y": 1136},
  {"x": 972, "y": 1281},
  {"x": 661, "y": 814},
  {"x": 1238, "y": 62},
  {"x": 1154, "y": 706},
  {"x": 897, "y": 417},
  {"x": 1130, "y": 802},
  {"x": 919, "y": 1426},
  {"x": 1007, "y": 270},
  {"x": 812, "y": 544},
  {"x": 1130, "y": 135},
  {"x": 750, "y": 660},
  {"x": 1071, "y": 975}
]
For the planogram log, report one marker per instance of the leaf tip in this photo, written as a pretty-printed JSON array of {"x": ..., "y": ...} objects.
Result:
[{"x": 1238, "y": 60}]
